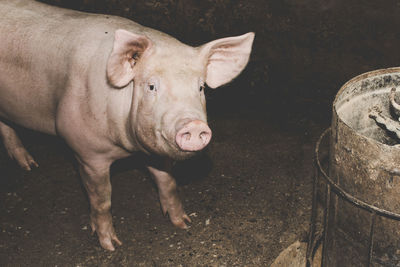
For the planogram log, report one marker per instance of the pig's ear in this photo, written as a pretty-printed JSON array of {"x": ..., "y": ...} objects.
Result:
[
  {"x": 127, "y": 50},
  {"x": 226, "y": 58}
]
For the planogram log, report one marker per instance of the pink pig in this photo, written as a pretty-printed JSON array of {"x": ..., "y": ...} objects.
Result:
[{"x": 109, "y": 87}]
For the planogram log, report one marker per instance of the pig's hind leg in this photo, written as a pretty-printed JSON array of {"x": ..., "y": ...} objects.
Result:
[{"x": 15, "y": 148}]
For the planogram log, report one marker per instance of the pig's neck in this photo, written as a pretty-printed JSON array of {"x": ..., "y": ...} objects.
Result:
[
  {"x": 119, "y": 118},
  {"x": 107, "y": 110}
]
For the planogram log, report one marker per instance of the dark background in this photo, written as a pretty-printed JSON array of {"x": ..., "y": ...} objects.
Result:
[
  {"x": 254, "y": 183},
  {"x": 303, "y": 52}
]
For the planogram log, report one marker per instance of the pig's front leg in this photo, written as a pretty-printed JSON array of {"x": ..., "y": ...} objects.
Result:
[
  {"x": 96, "y": 179},
  {"x": 170, "y": 202}
]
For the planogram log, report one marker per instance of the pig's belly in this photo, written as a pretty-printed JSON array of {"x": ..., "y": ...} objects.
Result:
[
  {"x": 27, "y": 104},
  {"x": 27, "y": 114}
]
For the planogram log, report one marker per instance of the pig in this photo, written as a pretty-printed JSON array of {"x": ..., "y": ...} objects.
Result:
[{"x": 109, "y": 87}]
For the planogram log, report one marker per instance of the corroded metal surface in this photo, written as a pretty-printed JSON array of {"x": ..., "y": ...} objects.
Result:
[{"x": 366, "y": 164}]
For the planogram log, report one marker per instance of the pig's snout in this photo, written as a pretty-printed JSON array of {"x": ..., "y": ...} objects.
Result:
[{"x": 193, "y": 136}]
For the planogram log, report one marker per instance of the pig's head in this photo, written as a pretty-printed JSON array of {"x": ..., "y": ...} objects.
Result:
[{"x": 168, "y": 112}]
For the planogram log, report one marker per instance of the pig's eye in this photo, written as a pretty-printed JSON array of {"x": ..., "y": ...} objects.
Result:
[
  {"x": 201, "y": 89},
  {"x": 135, "y": 56},
  {"x": 151, "y": 86}
]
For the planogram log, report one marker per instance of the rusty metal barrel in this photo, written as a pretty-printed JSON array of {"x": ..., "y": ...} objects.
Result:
[{"x": 362, "y": 207}]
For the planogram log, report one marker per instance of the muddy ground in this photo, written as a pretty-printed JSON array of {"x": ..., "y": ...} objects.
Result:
[{"x": 249, "y": 195}]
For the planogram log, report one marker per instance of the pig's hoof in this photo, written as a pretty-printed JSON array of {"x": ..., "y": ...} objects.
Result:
[
  {"x": 107, "y": 237},
  {"x": 107, "y": 242},
  {"x": 23, "y": 158},
  {"x": 180, "y": 220},
  {"x": 172, "y": 207}
]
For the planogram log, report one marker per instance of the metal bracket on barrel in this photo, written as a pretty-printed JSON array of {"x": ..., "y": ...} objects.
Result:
[{"x": 319, "y": 238}]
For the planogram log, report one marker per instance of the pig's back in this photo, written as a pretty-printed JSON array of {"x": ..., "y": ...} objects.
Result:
[{"x": 44, "y": 51}]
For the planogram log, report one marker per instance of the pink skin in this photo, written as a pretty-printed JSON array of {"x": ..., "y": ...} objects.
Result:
[
  {"x": 170, "y": 202},
  {"x": 15, "y": 148},
  {"x": 193, "y": 136},
  {"x": 98, "y": 186},
  {"x": 109, "y": 87}
]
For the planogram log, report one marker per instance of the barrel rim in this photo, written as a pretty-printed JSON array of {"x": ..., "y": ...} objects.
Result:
[{"x": 357, "y": 79}]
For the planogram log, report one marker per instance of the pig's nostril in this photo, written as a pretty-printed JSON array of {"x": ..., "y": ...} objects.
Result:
[
  {"x": 186, "y": 136},
  {"x": 204, "y": 137}
]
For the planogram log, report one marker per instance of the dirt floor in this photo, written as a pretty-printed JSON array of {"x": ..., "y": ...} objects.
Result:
[
  {"x": 249, "y": 197},
  {"x": 249, "y": 194}
]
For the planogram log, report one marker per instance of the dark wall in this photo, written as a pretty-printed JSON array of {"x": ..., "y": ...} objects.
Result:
[{"x": 303, "y": 52}]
